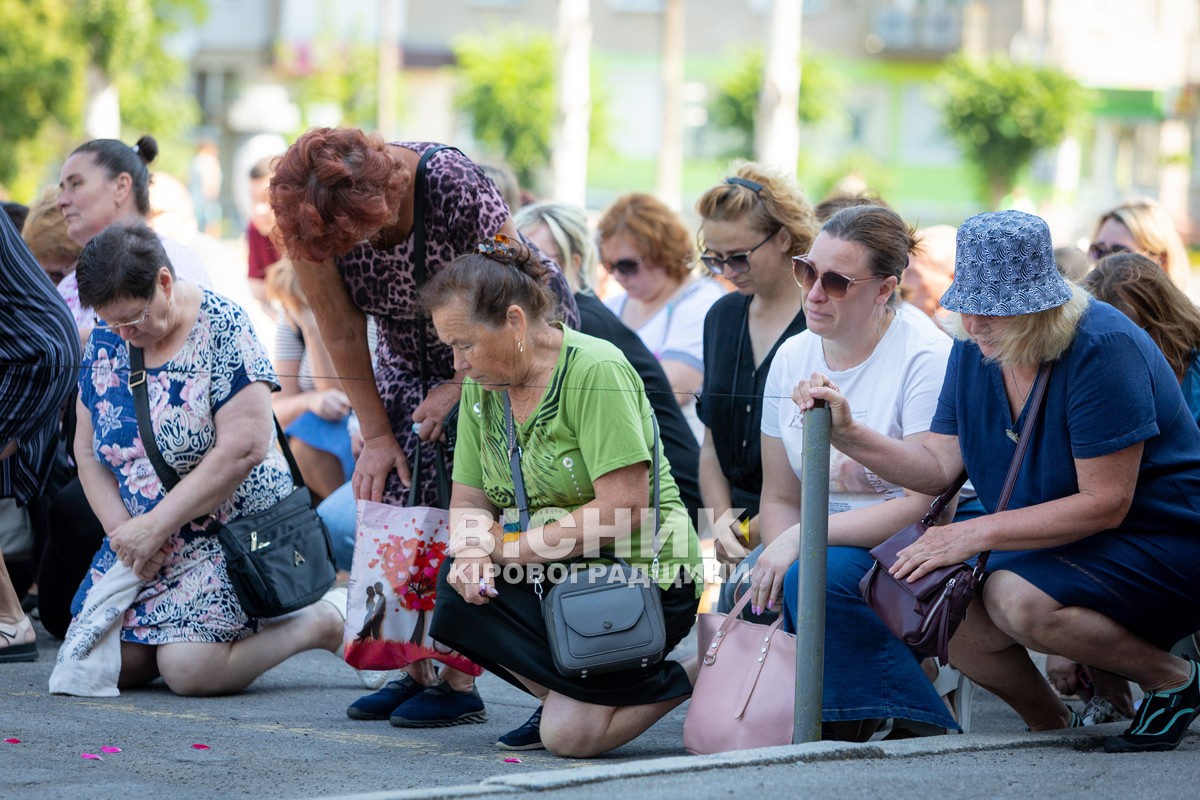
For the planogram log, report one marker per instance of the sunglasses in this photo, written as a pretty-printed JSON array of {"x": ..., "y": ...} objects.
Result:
[
  {"x": 1099, "y": 251},
  {"x": 738, "y": 263},
  {"x": 625, "y": 266},
  {"x": 112, "y": 326},
  {"x": 835, "y": 284}
]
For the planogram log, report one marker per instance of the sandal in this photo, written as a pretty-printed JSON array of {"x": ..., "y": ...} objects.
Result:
[{"x": 12, "y": 652}]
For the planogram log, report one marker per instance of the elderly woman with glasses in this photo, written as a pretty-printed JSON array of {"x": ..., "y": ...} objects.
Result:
[
  {"x": 648, "y": 251},
  {"x": 209, "y": 384},
  {"x": 751, "y": 225},
  {"x": 1096, "y": 557},
  {"x": 893, "y": 368},
  {"x": 1144, "y": 227}
]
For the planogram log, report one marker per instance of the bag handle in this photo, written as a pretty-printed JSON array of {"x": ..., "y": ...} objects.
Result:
[
  {"x": 166, "y": 473},
  {"x": 514, "y": 465},
  {"x": 419, "y": 273},
  {"x": 443, "y": 484},
  {"x": 1010, "y": 481}
]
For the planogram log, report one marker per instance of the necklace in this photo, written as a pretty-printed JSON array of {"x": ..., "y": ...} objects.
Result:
[{"x": 1009, "y": 431}]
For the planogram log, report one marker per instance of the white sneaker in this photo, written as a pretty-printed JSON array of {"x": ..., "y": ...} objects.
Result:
[{"x": 374, "y": 678}]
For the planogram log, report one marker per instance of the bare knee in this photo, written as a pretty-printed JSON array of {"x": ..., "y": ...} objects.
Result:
[
  {"x": 1019, "y": 608},
  {"x": 575, "y": 732},
  {"x": 191, "y": 676}
]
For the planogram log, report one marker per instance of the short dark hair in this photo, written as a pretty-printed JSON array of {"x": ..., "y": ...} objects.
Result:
[
  {"x": 18, "y": 213},
  {"x": 122, "y": 261},
  {"x": 117, "y": 157}
]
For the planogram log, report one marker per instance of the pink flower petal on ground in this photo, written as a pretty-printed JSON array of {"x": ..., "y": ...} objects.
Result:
[
  {"x": 91, "y": 756},
  {"x": 201, "y": 747},
  {"x": 512, "y": 761},
  {"x": 13, "y": 741},
  {"x": 110, "y": 749}
]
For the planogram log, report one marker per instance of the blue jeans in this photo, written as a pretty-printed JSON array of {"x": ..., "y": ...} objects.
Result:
[
  {"x": 340, "y": 513},
  {"x": 869, "y": 674}
]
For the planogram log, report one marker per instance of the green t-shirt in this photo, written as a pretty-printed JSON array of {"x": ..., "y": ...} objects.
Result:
[{"x": 594, "y": 418}]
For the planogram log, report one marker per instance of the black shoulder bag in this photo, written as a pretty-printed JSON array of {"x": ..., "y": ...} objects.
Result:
[
  {"x": 603, "y": 616},
  {"x": 450, "y": 424},
  {"x": 279, "y": 560}
]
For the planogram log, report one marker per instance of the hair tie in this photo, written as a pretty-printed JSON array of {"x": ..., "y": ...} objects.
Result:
[
  {"x": 749, "y": 184},
  {"x": 499, "y": 248},
  {"x": 134, "y": 148}
]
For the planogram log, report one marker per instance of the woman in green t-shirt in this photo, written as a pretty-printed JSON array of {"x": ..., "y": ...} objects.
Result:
[{"x": 584, "y": 426}]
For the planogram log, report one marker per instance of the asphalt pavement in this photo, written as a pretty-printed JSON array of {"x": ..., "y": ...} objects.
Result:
[{"x": 287, "y": 736}]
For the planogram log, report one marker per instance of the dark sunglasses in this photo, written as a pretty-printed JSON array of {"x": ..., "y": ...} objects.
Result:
[
  {"x": 738, "y": 263},
  {"x": 1099, "y": 251},
  {"x": 625, "y": 266},
  {"x": 835, "y": 284}
]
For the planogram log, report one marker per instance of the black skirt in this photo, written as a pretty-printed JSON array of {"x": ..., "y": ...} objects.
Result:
[{"x": 508, "y": 637}]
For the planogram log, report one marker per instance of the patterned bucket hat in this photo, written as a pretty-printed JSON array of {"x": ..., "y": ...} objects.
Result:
[{"x": 1004, "y": 266}]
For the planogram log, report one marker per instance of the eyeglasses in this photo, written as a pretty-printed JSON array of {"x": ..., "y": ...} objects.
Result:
[
  {"x": 625, "y": 266},
  {"x": 738, "y": 263},
  {"x": 1098, "y": 251},
  {"x": 835, "y": 284},
  {"x": 112, "y": 326}
]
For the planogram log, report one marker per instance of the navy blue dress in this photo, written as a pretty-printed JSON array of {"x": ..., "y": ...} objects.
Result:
[{"x": 1110, "y": 390}]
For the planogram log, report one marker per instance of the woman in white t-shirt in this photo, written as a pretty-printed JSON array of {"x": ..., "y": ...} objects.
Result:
[
  {"x": 894, "y": 370},
  {"x": 649, "y": 252}
]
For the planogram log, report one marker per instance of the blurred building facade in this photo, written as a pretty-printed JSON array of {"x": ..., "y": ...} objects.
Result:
[{"x": 1142, "y": 59}]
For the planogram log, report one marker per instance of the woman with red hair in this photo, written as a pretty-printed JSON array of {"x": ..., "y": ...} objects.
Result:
[{"x": 345, "y": 206}]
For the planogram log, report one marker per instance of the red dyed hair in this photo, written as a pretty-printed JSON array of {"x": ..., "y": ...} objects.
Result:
[{"x": 332, "y": 189}]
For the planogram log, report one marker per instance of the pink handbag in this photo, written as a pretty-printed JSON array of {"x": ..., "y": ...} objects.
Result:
[{"x": 745, "y": 693}]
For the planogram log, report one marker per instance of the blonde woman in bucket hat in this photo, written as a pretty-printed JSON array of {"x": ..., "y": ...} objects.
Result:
[{"x": 1097, "y": 557}]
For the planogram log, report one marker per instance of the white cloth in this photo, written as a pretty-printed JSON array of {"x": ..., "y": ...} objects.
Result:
[
  {"x": 676, "y": 332},
  {"x": 89, "y": 661},
  {"x": 895, "y": 391}
]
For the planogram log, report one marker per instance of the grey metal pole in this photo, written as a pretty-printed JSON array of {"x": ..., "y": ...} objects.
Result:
[{"x": 810, "y": 599}]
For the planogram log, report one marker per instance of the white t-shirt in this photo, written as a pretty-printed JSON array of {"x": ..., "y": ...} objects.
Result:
[
  {"x": 676, "y": 332},
  {"x": 895, "y": 392}
]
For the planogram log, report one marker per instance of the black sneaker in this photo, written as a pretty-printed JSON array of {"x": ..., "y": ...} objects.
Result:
[
  {"x": 439, "y": 706},
  {"x": 1161, "y": 720},
  {"x": 381, "y": 704},
  {"x": 526, "y": 737}
]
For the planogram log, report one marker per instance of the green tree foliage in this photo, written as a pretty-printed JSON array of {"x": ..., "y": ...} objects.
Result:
[
  {"x": 1002, "y": 114},
  {"x": 333, "y": 77},
  {"x": 735, "y": 103},
  {"x": 506, "y": 86},
  {"x": 46, "y": 50}
]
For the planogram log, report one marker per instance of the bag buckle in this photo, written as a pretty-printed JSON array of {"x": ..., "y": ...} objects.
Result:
[{"x": 134, "y": 382}]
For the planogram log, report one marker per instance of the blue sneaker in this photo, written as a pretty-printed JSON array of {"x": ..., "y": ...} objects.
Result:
[
  {"x": 439, "y": 706},
  {"x": 1161, "y": 720},
  {"x": 526, "y": 737},
  {"x": 381, "y": 704}
]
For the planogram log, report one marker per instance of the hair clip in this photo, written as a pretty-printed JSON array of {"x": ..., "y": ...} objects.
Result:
[
  {"x": 500, "y": 248},
  {"x": 749, "y": 184}
]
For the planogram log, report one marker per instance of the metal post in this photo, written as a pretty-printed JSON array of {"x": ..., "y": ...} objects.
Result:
[{"x": 810, "y": 599}]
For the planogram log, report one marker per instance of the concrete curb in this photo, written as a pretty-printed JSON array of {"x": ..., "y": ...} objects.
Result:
[{"x": 815, "y": 752}]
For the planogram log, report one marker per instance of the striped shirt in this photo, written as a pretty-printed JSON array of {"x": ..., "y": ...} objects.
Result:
[{"x": 39, "y": 361}]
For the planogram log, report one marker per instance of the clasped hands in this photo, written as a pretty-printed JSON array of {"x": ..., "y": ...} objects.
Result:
[{"x": 140, "y": 547}]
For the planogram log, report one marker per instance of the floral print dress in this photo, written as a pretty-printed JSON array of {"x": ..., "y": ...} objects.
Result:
[{"x": 191, "y": 598}]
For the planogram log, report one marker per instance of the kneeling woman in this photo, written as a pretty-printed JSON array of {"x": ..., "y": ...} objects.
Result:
[{"x": 583, "y": 423}]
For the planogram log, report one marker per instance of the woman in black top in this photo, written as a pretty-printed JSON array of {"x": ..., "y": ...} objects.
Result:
[{"x": 751, "y": 225}]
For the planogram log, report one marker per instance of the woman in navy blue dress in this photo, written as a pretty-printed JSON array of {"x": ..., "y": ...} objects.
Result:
[{"x": 1098, "y": 556}]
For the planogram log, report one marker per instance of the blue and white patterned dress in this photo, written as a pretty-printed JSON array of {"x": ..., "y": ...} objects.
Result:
[{"x": 191, "y": 598}]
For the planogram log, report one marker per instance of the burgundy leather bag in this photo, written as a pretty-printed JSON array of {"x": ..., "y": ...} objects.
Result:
[{"x": 925, "y": 613}]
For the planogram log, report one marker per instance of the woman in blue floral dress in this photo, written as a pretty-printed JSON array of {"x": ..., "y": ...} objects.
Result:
[{"x": 209, "y": 382}]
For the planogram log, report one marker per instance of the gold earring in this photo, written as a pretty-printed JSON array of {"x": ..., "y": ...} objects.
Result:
[{"x": 520, "y": 345}]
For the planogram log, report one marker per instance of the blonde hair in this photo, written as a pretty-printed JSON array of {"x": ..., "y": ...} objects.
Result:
[
  {"x": 283, "y": 287},
  {"x": 1151, "y": 227},
  {"x": 45, "y": 231},
  {"x": 779, "y": 203},
  {"x": 1034, "y": 338}
]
